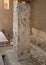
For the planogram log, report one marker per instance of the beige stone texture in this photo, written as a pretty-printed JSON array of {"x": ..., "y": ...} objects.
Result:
[{"x": 6, "y": 17}]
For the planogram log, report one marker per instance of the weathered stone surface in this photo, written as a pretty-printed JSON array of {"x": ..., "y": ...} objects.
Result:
[
  {"x": 15, "y": 25},
  {"x": 22, "y": 37},
  {"x": 23, "y": 27},
  {"x": 11, "y": 58},
  {"x": 35, "y": 59},
  {"x": 1, "y": 60},
  {"x": 39, "y": 38}
]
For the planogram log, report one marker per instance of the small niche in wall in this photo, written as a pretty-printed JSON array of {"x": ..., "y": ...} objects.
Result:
[{"x": 6, "y": 4}]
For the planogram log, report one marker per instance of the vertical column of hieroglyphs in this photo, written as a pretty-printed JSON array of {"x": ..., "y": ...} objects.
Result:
[{"x": 15, "y": 25}]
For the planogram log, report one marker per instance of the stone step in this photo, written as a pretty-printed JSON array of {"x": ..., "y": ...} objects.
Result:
[
  {"x": 1, "y": 60},
  {"x": 11, "y": 58}
]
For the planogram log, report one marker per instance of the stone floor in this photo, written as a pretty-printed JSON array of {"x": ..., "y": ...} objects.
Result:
[
  {"x": 36, "y": 56},
  {"x": 12, "y": 59}
]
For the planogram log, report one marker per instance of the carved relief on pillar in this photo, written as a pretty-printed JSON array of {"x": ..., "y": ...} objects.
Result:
[{"x": 23, "y": 27}]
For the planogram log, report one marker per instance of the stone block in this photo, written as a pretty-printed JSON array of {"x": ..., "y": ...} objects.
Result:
[
  {"x": 11, "y": 58},
  {"x": 1, "y": 60}
]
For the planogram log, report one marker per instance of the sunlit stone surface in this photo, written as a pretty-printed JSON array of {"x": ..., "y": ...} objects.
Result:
[{"x": 15, "y": 25}]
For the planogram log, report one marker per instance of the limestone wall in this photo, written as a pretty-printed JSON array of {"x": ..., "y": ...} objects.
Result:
[
  {"x": 39, "y": 14},
  {"x": 6, "y": 18}
]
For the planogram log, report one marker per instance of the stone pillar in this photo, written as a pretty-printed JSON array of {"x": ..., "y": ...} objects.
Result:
[
  {"x": 15, "y": 25},
  {"x": 23, "y": 27}
]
